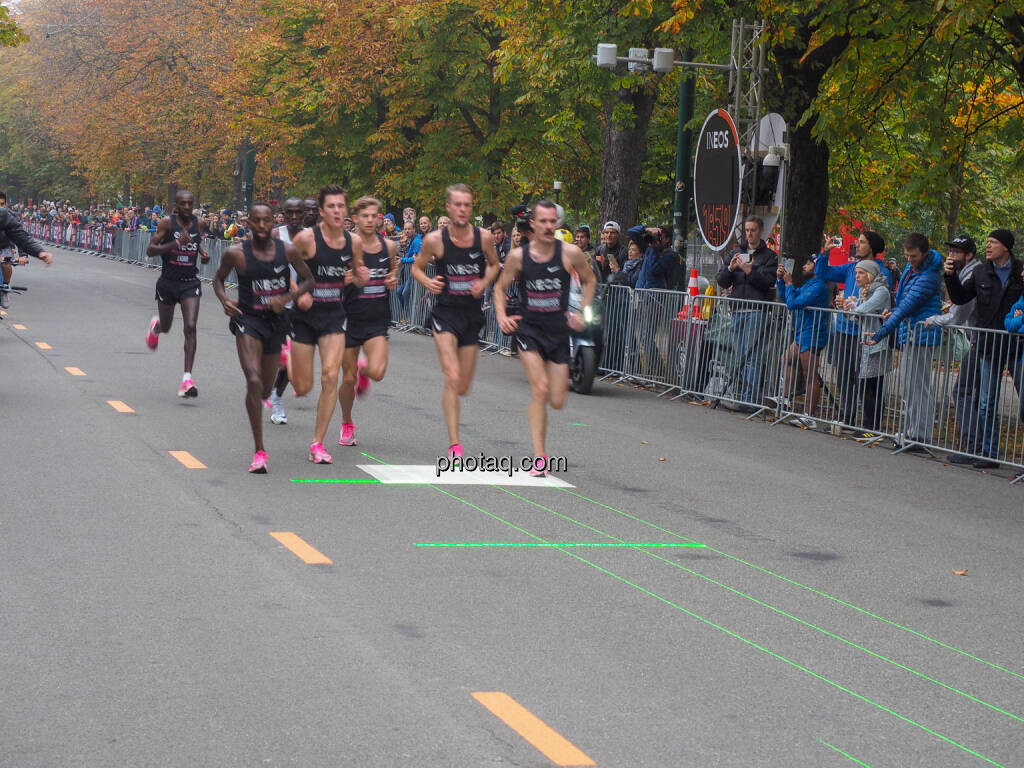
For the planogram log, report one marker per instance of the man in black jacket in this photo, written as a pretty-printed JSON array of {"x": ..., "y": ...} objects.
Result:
[
  {"x": 750, "y": 272},
  {"x": 995, "y": 285},
  {"x": 12, "y": 232}
]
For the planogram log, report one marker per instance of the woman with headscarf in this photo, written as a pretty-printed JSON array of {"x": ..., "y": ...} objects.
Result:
[{"x": 872, "y": 299}]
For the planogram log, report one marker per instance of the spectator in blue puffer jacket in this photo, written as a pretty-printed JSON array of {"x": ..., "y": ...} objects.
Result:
[
  {"x": 918, "y": 297},
  {"x": 846, "y": 341},
  {"x": 807, "y": 302}
]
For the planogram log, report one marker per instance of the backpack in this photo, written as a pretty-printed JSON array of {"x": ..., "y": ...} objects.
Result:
[{"x": 676, "y": 278}]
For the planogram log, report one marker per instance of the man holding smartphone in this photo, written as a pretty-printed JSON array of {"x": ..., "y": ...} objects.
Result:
[
  {"x": 962, "y": 252},
  {"x": 750, "y": 273}
]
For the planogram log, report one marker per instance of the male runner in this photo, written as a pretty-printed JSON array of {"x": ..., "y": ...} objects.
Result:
[
  {"x": 293, "y": 218},
  {"x": 369, "y": 313},
  {"x": 336, "y": 260},
  {"x": 176, "y": 242},
  {"x": 310, "y": 212},
  {"x": 458, "y": 253},
  {"x": 544, "y": 266},
  {"x": 257, "y": 317}
]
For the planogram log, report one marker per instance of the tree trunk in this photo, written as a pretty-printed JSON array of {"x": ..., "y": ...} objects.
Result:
[
  {"x": 625, "y": 147},
  {"x": 806, "y": 204},
  {"x": 806, "y": 193}
]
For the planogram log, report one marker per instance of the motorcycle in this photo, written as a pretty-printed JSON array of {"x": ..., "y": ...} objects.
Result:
[{"x": 586, "y": 346}]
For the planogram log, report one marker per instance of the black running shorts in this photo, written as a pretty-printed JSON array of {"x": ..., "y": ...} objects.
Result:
[
  {"x": 270, "y": 329},
  {"x": 552, "y": 347},
  {"x": 173, "y": 291},
  {"x": 361, "y": 331},
  {"x": 465, "y": 324},
  {"x": 308, "y": 327}
]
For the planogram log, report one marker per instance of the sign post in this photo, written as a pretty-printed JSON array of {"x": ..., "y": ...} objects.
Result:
[{"x": 717, "y": 171}]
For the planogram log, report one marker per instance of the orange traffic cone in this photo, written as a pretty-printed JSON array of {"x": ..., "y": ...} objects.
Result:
[
  {"x": 691, "y": 301},
  {"x": 692, "y": 287}
]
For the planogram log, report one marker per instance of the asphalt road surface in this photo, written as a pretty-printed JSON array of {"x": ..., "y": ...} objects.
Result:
[{"x": 148, "y": 616}]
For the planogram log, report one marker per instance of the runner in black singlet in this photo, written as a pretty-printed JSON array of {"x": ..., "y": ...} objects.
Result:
[
  {"x": 369, "y": 313},
  {"x": 257, "y": 317},
  {"x": 336, "y": 261},
  {"x": 177, "y": 242},
  {"x": 544, "y": 267},
  {"x": 458, "y": 252},
  {"x": 293, "y": 218}
]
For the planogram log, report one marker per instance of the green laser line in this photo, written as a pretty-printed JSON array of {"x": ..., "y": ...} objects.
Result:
[
  {"x": 851, "y": 757},
  {"x": 797, "y": 619},
  {"x": 724, "y": 630},
  {"x": 795, "y": 583},
  {"x": 547, "y": 544}
]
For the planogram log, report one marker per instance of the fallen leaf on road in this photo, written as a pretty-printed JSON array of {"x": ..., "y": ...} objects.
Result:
[
  {"x": 960, "y": 573},
  {"x": 661, "y": 458},
  {"x": 643, "y": 442}
]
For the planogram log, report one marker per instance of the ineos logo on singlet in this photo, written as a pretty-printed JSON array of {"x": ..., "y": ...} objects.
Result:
[
  {"x": 544, "y": 284},
  {"x": 272, "y": 285},
  {"x": 327, "y": 271}
]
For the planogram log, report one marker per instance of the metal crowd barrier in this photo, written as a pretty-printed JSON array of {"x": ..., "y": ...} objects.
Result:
[{"x": 952, "y": 390}]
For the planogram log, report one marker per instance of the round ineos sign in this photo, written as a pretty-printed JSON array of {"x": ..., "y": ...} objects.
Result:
[{"x": 716, "y": 179}]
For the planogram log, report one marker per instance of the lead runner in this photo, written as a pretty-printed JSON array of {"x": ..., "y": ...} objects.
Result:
[
  {"x": 544, "y": 267},
  {"x": 466, "y": 264}
]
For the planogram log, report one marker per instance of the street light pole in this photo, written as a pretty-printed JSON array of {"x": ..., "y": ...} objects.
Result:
[
  {"x": 557, "y": 186},
  {"x": 684, "y": 182}
]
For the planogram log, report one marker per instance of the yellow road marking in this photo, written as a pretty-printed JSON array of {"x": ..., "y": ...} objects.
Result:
[
  {"x": 542, "y": 736},
  {"x": 306, "y": 553},
  {"x": 19, "y": 327},
  {"x": 74, "y": 371},
  {"x": 43, "y": 345},
  {"x": 186, "y": 458},
  {"x": 120, "y": 407}
]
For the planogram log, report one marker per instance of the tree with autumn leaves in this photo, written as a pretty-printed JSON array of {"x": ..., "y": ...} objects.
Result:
[{"x": 909, "y": 114}]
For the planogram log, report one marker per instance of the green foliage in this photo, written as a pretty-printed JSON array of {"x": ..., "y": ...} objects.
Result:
[{"x": 10, "y": 34}]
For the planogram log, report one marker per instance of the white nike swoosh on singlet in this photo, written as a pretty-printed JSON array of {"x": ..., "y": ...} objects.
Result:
[
  {"x": 552, "y": 269},
  {"x": 474, "y": 255},
  {"x": 280, "y": 269}
]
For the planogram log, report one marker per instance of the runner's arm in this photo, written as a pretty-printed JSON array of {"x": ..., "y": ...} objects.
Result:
[
  {"x": 493, "y": 262},
  {"x": 360, "y": 274},
  {"x": 511, "y": 270},
  {"x": 154, "y": 248},
  {"x": 428, "y": 253},
  {"x": 18, "y": 235},
  {"x": 228, "y": 261},
  {"x": 298, "y": 261},
  {"x": 391, "y": 281},
  {"x": 586, "y": 275}
]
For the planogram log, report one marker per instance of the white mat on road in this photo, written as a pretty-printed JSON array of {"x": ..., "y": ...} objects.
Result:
[{"x": 427, "y": 474}]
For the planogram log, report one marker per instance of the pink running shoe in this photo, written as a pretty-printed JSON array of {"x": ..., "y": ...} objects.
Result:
[
  {"x": 348, "y": 434},
  {"x": 455, "y": 451},
  {"x": 188, "y": 389},
  {"x": 151, "y": 337},
  {"x": 540, "y": 467},
  {"x": 259, "y": 463},
  {"x": 363, "y": 381},
  {"x": 318, "y": 455}
]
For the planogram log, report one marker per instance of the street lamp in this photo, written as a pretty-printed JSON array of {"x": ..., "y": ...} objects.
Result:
[{"x": 557, "y": 186}]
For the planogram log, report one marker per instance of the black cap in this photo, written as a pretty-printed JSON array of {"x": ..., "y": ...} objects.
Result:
[
  {"x": 1004, "y": 236},
  {"x": 964, "y": 243}
]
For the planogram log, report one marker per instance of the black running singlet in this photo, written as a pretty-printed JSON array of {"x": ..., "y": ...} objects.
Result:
[
  {"x": 544, "y": 290},
  {"x": 263, "y": 280},
  {"x": 181, "y": 262},
  {"x": 329, "y": 267},
  {"x": 371, "y": 301},
  {"x": 460, "y": 267}
]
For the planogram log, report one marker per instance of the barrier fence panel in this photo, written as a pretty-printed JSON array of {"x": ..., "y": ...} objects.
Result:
[
  {"x": 855, "y": 386},
  {"x": 963, "y": 395}
]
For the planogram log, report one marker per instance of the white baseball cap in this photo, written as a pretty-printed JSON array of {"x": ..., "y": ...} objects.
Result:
[{"x": 612, "y": 225}]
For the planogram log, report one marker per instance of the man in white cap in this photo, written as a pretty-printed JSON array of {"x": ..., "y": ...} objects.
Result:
[{"x": 612, "y": 253}]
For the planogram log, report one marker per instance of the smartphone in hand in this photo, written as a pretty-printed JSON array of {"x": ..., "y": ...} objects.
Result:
[{"x": 788, "y": 265}]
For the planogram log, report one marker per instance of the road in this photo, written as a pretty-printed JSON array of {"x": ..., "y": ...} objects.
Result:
[{"x": 149, "y": 617}]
